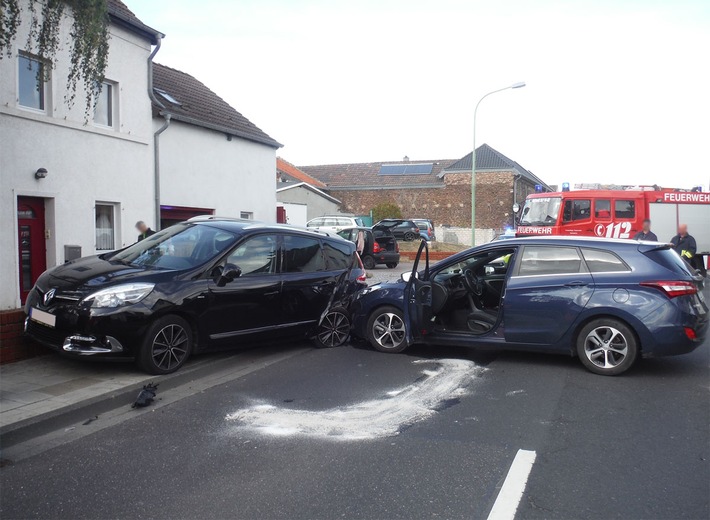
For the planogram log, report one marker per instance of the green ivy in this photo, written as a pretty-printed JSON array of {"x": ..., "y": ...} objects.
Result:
[{"x": 88, "y": 39}]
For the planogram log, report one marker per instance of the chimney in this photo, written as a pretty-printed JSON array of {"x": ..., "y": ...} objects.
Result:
[{"x": 406, "y": 158}]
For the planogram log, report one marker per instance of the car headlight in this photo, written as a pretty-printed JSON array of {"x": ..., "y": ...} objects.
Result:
[{"x": 119, "y": 295}]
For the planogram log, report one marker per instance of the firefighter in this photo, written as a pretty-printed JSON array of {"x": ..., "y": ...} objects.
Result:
[
  {"x": 684, "y": 244},
  {"x": 646, "y": 233}
]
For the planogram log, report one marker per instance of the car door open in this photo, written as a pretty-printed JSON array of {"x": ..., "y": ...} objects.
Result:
[{"x": 418, "y": 299}]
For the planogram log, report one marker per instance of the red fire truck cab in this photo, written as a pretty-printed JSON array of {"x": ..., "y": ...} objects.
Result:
[{"x": 617, "y": 214}]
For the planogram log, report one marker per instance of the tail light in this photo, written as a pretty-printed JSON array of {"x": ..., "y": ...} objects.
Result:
[
  {"x": 690, "y": 333},
  {"x": 376, "y": 247},
  {"x": 363, "y": 277},
  {"x": 673, "y": 288}
]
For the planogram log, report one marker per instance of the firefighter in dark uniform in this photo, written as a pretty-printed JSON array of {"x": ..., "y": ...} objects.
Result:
[{"x": 144, "y": 230}]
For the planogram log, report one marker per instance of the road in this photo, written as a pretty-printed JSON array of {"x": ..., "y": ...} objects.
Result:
[{"x": 352, "y": 433}]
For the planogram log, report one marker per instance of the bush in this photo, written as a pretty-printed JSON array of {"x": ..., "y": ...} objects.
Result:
[{"x": 385, "y": 210}]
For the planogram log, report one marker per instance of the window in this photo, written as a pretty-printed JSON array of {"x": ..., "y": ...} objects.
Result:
[
  {"x": 344, "y": 222},
  {"x": 546, "y": 260},
  {"x": 576, "y": 210},
  {"x": 105, "y": 226},
  {"x": 302, "y": 255},
  {"x": 31, "y": 84},
  {"x": 167, "y": 97},
  {"x": 602, "y": 209},
  {"x": 624, "y": 209},
  {"x": 255, "y": 256},
  {"x": 329, "y": 222},
  {"x": 246, "y": 215},
  {"x": 600, "y": 261},
  {"x": 338, "y": 256},
  {"x": 316, "y": 222},
  {"x": 103, "y": 111}
]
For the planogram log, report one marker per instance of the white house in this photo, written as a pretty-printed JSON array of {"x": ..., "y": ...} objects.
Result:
[
  {"x": 160, "y": 146},
  {"x": 63, "y": 181},
  {"x": 301, "y": 195},
  {"x": 213, "y": 160}
]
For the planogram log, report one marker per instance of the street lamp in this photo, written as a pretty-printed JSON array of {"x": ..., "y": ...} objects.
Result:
[{"x": 520, "y": 84}]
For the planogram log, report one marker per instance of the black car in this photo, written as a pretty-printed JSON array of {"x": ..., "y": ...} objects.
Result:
[
  {"x": 405, "y": 230},
  {"x": 381, "y": 246},
  {"x": 198, "y": 286}
]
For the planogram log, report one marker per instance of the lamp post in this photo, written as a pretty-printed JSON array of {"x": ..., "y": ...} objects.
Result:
[{"x": 520, "y": 84}]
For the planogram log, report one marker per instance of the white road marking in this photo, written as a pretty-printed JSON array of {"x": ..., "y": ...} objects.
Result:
[
  {"x": 381, "y": 417},
  {"x": 511, "y": 493}
]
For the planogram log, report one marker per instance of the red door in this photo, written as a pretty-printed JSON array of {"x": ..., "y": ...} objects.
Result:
[{"x": 32, "y": 248}]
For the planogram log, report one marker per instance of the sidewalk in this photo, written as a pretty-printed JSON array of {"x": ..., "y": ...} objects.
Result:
[{"x": 48, "y": 383}]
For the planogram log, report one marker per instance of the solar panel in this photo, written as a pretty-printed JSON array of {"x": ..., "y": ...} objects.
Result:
[{"x": 406, "y": 169}]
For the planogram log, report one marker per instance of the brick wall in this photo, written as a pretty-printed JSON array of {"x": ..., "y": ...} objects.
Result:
[
  {"x": 449, "y": 205},
  {"x": 14, "y": 345}
]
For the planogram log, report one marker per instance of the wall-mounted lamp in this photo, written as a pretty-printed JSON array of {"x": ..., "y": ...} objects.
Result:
[{"x": 41, "y": 173}]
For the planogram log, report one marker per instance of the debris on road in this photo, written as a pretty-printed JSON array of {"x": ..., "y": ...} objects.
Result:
[{"x": 146, "y": 396}]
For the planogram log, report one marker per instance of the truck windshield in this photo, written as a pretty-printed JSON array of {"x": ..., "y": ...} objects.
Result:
[{"x": 540, "y": 211}]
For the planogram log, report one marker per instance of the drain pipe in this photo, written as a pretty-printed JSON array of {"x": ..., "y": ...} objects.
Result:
[
  {"x": 156, "y": 135},
  {"x": 515, "y": 198}
]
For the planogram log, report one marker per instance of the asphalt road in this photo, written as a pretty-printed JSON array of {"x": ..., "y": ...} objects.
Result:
[{"x": 635, "y": 446}]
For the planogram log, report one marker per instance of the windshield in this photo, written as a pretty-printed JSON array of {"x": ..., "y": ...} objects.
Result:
[
  {"x": 182, "y": 246},
  {"x": 541, "y": 211}
]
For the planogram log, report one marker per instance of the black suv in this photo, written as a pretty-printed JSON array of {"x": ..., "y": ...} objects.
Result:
[
  {"x": 380, "y": 245},
  {"x": 196, "y": 286},
  {"x": 403, "y": 229}
]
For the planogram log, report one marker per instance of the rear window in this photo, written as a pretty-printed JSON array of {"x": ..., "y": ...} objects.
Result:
[
  {"x": 338, "y": 256},
  {"x": 599, "y": 261},
  {"x": 546, "y": 260},
  {"x": 302, "y": 255},
  {"x": 670, "y": 260}
]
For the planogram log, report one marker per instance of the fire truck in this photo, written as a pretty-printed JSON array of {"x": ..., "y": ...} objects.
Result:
[{"x": 617, "y": 214}]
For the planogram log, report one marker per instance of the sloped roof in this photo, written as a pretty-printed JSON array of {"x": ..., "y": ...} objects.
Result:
[
  {"x": 197, "y": 105},
  {"x": 308, "y": 187},
  {"x": 488, "y": 158},
  {"x": 292, "y": 174},
  {"x": 122, "y": 15},
  {"x": 367, "y": 175}
]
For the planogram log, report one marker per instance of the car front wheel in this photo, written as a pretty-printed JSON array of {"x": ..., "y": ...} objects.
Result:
[
  {"x": 607, "y": 346},
  {"x": 386, "y": 331},
  {"x": 166, "y": 346}
]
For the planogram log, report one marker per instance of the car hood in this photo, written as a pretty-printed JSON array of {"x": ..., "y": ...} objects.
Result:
[{"x": 95, "y": 272}]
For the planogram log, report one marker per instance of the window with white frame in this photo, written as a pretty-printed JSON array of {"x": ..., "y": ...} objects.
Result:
[
  {"x": 31, "y": 84},
  {"x": 247, "y": 215},
  {"x": 105, "y": 227},
  {"x": 103, "y": 111}
]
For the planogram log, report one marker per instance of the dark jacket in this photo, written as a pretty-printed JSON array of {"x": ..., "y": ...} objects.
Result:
[
  {"x": 686, "y": 243},
  {"x": 650, "y": 236},
  {"x": 148, "y": 232}
]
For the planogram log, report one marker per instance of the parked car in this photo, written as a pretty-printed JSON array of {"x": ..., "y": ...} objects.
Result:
[
  {"x": 380, "y": 246},
  {"x": 426, "y": 229},
  {"x": 402, "y": 229},
  {"x": 197, "y": 286},
  {"x": 606, "y": 301},
  {"x": 334, "y": 223}
]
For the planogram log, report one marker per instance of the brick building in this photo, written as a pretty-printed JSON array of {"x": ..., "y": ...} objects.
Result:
[{"x": 439, "y": 190}]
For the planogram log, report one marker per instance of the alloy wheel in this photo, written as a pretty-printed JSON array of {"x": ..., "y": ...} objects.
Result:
[
  {"x": 388, "y": 330},
  {"x": 170, "y": 346},
  {"x": 334, "y": 330},
  {"x": 606, "y": 347}
]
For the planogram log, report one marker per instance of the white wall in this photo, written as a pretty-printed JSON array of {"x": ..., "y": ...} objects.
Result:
[
  {"x": 317, "y": 205},
  {"x": 85, "y": 163},
  {"x": 201, "y": 168}
]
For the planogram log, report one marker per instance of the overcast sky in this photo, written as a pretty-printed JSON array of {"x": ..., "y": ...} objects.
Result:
[{"x": 617, "y": 90}]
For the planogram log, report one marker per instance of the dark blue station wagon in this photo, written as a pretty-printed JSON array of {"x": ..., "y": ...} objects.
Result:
[{"x": 606, "y": 301}]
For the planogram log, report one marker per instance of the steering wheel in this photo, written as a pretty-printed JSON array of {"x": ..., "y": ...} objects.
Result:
[{"x": 472, "y": 282}]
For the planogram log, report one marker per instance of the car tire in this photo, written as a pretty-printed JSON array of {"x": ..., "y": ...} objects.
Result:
[
  {"x": 368, "y": 262},
  {"x": 166, "y": 346},
  {"x": 409, "y": 237},
  {"x": 607, "y": 346},
  {"x": 334, "y": 330},
  {"x": 386, "y": 330},
  {"x": 392, "y": 265}
]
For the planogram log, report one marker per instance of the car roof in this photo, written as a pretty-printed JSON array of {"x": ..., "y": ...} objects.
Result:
[{"x": 249, "y": 227}]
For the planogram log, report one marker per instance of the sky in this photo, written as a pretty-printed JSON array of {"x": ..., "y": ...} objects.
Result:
[{"x": 617, "y": 91}]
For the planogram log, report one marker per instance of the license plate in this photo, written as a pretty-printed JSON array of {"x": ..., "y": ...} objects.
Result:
[{"x": 45, "y": 318}]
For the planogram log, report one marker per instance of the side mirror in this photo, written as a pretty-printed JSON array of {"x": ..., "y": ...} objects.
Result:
[{"x": 229, "y": 274}]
